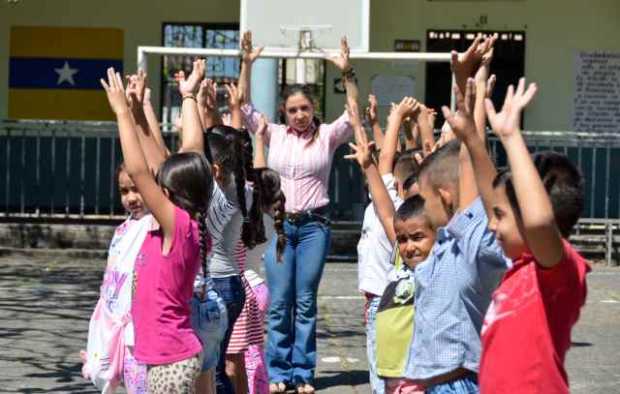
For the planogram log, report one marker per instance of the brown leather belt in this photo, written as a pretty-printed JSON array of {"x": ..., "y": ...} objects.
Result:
[{"x": 446, "y": 377}]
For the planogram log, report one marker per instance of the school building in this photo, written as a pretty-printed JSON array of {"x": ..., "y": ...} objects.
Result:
[{"x": 52, "y": 53}]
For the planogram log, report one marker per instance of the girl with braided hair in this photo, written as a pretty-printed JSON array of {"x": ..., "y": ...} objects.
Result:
[
  {"x": 169, "y": 258},
  {"x": 228, "y": 223},
  {"x": 247, "y": 336}
]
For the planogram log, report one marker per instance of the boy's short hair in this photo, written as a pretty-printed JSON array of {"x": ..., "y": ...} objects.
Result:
[
  {"x": 411, "y": 207},
  {"x": 410, "y": 181},
  {"x": 405, "y": 165},
  {"x": 563, "y": 183},
  {"x": 441, "y": 167}
]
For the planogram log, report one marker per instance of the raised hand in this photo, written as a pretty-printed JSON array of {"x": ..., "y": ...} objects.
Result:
[
  {"x": 426, "y": 117},
  {"x": 465, "y": 64},
  {"x": 488, "y": 92},
  {"x": 482, "y": 74},
  {"x": 506, "y": 122},
  {"x": 371, "y": 110},
  {"x": 462, "y": 122},
  {"x": 408, "y": 106},
  {"x": 233, "y": 96},
  {"x": 190, "y": 85},
  {"x": 248, "y": 53},
  {"x": 362, "y": 153},
  {"x": 263, "y": 124},
  {"x": 135, "y": 92},
  {"x": 341, "y": 61},
  {"x": 207, "y": 94},
  {"x": 426, "y": 125},
  {"x": 115, "y": 91},
  {"x": 147, "y": 96}
]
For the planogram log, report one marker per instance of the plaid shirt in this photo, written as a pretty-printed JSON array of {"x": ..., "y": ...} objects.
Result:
[{"x": 453, "y": 290}]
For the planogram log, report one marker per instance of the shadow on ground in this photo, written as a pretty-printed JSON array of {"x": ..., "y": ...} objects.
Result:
[
  {"x": 45, "y": 306},
  {"x": 341, "y": 378}
]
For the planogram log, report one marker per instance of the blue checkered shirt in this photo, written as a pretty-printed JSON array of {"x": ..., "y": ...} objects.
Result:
[{"x": 453, "y": 290}]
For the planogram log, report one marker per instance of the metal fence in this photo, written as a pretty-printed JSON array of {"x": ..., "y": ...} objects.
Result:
[{"x": 55, "y": 170}]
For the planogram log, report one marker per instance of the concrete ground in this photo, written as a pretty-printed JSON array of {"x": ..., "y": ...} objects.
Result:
[{"x": 45, "y": 304}]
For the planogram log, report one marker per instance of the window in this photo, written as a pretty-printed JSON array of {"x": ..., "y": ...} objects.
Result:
[
  {"x": 195, "y": 35},
  {"x": 508, "y": 63}
]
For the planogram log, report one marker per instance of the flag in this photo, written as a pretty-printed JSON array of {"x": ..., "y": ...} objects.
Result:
[{"x": 54, "y": 72}]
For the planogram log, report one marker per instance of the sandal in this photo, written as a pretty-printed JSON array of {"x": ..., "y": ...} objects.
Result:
[
  {"x": 305, "y": 388},
  {"x": 277, "y": 388}
]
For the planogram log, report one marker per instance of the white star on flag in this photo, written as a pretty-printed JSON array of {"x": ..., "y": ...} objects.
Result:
[{"x": 65, "y": 74}]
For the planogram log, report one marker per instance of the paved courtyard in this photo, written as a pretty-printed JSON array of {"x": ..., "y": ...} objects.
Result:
[{"x": 45, "y": 304}]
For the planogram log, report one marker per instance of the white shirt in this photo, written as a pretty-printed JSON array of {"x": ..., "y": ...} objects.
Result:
[{"x": 375, "y": 269}]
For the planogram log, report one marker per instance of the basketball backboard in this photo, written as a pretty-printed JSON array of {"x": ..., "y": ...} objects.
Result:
[{"x": 280, "y": 24}]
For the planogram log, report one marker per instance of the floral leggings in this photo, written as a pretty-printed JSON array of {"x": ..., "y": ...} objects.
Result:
[
  {"x": 134, "y": 374},
  {"x": 175, "y": 378}
]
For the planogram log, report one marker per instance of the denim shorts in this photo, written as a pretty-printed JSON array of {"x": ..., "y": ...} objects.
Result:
[{"x": 210, "y": 321}]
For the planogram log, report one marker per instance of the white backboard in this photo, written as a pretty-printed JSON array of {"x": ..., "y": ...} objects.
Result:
[{"x": 276, "y": 23}]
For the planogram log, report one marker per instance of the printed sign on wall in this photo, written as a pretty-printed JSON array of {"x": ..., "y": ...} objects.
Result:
[{"x": 596, "y": 105}]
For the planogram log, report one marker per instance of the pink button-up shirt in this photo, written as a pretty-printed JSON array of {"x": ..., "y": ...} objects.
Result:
[{"x": 303, "y": 166}]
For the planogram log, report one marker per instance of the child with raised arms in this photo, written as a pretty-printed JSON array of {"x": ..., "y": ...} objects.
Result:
[
  {"x": 111, "y": 332},
  {"x": 408, "y": 229},
  {"x": 532, "y": 209},
  {"x": 170, "y": 255}
]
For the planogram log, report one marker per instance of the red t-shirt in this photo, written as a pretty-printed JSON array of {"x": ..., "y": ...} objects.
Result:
[{"x": 527, "y": 328}]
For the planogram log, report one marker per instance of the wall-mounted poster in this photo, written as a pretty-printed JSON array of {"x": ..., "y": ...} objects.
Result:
[
  {"x": 596, "y": 105},
  {"x": 392, "y": 88}
]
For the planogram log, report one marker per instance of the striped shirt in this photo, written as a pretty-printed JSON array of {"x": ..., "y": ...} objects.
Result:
[
  {"x": 248, "y": 328},
  {"x": 303, "y": 165},
  {"x": 453, "y": 290},
  {"x": 224, "y": 221},
  {"x": 224, "y": 224}
]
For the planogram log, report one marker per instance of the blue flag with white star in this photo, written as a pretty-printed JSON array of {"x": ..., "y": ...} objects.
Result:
[{"x": 54, "y": 72}]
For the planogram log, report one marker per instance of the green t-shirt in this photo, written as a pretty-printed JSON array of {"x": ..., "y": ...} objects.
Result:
[{"x": 395, "y": 323}]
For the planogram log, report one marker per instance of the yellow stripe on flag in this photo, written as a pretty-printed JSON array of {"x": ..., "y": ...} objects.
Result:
[
  {"x": 59, "y": 104},
  {"x": 66, "y": 42}
]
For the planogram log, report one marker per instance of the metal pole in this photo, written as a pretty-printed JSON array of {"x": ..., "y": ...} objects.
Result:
[{"x": 287, "y": 53}]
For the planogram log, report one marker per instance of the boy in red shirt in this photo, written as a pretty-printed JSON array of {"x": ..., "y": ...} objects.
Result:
[{"x": 532, "y": 209}]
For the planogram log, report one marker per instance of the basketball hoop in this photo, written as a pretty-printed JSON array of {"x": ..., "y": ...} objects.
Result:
[{"x": 305, "y": 36}]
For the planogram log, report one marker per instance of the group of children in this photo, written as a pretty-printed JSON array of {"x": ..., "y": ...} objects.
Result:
[
  {"x": 167, "y": 319},
  {"x": 484, "y": 288},
  {"x": 471, "y": 284}
]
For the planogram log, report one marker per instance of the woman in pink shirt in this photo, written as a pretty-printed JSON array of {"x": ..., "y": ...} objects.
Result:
[
  {"x": 171, "y": 253},
  {"x": 301, "y": 151}
]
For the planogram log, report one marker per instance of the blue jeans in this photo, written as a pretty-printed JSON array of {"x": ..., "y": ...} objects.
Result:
[
  {"x": 210, "y": 322},
  {"x": 466, "y": 385},
  {"x": 377, "y": 384},
  {"x": 293, "y": 284},
  {"x": 232, "y": 292}
]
